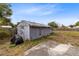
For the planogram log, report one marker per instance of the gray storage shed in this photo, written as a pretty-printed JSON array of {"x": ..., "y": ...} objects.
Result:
[{"x": 31, "y": 30}]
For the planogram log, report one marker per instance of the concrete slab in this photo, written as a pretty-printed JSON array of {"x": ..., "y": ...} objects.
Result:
[
  {"x": 51, "y": 48},
  {"x": 59, "y": 49}
]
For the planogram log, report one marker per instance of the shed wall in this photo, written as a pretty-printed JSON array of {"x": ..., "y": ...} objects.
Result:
[
  {"x": 36, "y": 32},
  {"x": 23, "y": 31}
]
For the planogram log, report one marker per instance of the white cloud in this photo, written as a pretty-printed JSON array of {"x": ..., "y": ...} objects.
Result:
[
  {"x": 46, "y": 13},
  {"x": 28, "y": 10},
  {"x": 39, "y": 10}
]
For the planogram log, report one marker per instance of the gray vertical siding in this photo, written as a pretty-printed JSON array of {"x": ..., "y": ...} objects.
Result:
[
  {"x": 36, "y": 32},
  {"x": 45, "y": 31}
]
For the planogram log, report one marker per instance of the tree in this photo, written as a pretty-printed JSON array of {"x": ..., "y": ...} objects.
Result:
[
  {"x": 77, "y": 23},
  {"x": 64, "y": 27},
  {"x": 53, "y": 24},
  {"x": 5, "y": 13},
  {"x": 71, "y": 26}
]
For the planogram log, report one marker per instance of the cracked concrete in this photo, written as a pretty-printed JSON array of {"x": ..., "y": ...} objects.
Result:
[{"x": 51, "y": 48}]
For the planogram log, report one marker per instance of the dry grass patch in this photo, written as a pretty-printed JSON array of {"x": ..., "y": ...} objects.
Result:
[
  {"x": 71, "y": 37},
  {"x": 12, "y": 50}
]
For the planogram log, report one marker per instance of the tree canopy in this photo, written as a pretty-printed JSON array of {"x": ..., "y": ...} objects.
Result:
[
  {"x": 53, "y": 24},
  {"x": 77, "y": 23},
  {"x": 71, "y": 26},
  {"x": 5, "y": 13}
]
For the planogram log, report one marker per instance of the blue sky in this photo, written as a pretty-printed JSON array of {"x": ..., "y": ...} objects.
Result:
[{"x": 66, "y": 13}]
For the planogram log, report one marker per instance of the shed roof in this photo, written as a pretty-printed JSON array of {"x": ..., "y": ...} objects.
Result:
[{"x": 34, "y": 24}]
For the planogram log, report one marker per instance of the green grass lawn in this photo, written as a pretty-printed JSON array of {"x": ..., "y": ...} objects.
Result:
[{"x": 71, "y": 37}]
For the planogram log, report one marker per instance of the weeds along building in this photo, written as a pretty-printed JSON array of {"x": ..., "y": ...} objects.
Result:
[{"x": 31, "y": 30}]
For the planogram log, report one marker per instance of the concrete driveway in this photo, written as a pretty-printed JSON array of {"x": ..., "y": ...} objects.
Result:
[{"x": 51, "y": 48}]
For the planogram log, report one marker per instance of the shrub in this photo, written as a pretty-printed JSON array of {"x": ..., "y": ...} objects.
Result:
[{"x": 4, "y": 34}]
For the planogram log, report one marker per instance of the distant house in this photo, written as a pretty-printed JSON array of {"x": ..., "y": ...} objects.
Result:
[
  {"x": 76, "y": 28},
  {"x": 31, "y": 30}
]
